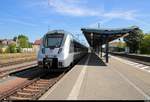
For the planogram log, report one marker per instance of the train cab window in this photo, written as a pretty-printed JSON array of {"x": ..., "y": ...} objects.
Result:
[{"x": 54, "y": 40}]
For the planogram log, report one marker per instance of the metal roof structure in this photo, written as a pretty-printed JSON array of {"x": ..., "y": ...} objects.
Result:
[{"x": 96, "y": 36}]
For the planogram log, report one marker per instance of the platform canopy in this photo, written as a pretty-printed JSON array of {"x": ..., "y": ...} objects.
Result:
[{"x": 97, "y": 36}]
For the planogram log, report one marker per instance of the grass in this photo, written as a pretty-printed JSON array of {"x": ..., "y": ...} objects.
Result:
[{"x": 16, "y": 55}]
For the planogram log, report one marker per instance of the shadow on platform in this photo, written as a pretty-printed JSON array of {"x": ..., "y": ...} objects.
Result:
[{"x": 94, "y": 60}]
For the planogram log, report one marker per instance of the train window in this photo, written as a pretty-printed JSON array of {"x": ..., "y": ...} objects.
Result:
[
  {"x": 75, "y": 48},
  {"x": 71, "y": 47},
  {"x": 54, "y": 40}
]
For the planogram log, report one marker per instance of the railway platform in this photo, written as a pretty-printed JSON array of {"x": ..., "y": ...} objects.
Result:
[{"x": 93, "y": 79}]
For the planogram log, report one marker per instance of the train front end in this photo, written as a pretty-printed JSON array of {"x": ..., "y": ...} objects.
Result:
[{"x": 50, "y": 54}]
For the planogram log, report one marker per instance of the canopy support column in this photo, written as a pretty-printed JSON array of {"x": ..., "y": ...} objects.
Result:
[
  {"x": 98, "y": 49},
  {"x": 106, "y": 52},
  {"x": 101, "y": 50}
]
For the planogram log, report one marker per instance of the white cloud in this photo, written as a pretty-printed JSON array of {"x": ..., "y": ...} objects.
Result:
[
  {"x": 79, "y": 8},
  {"x": 128, "y": 15},
  {"x": 72, "y": 7},
  {"x": 19, "y": 22}
]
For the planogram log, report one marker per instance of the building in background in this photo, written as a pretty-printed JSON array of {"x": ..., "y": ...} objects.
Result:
[
  {"x": 36, "y": 45},
  {"x": 4, "y": 43},
  {"x": 117, "y": 47},
  {"x": 7, "y": 42}
]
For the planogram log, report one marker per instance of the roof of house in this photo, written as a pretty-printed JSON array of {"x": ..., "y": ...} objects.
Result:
[{"x": 37, "y": 42}]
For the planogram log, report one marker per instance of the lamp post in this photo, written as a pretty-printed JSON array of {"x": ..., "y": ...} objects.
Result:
[{"x": 98, "y": 25}]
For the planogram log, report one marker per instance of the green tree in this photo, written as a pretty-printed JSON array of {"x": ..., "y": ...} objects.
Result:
[
  {"x": 23, "y": 41},
  {"x": 15, "y": 38},
  {"x": 1, "y": 51},
  {"x": 30, "y": 45},
  {"x": 11, "y": 48},
  {"x": 134, "y": 39},
  {"x": 145, "y": 44},
  {"x": 18, "y": 49}
]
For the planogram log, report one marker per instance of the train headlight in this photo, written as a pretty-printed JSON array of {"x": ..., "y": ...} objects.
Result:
[
  {"x": 43, "y": 50},
  {"x": 59, "y": 51}
]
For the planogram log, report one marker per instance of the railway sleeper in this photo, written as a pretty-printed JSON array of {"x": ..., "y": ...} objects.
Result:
[
  {"x": 35, "y": 87},
  {"x": 31, "y": 90},
  {"x": 26, "y": 94},
  {"x": 23, "y": 95},
  {"x": 43, "y": 85},
  {"x": 19, "y": 98},
  {"x": 42, "y": 80},
  {"x": 39, "y": 82},
  {"x": 39, "y": 85},
  {"x": 27, "y": 91}
]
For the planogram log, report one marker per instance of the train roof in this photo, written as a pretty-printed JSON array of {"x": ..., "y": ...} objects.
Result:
[
  {"x": 60, "y": 31},
  {"x": 56, "y": 31},
  {"x": 66, "y": 33}
]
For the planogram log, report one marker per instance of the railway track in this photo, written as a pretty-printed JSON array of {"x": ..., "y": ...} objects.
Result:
[
  {"x": 2, "y": 65},
  {"x": 6, "y": 72},
  {"x": 136, "y": 58},
  {"x": 34, "y": 88}
]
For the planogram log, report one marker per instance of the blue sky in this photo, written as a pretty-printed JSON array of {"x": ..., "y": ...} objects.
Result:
[{"x": 34, "y": 17}]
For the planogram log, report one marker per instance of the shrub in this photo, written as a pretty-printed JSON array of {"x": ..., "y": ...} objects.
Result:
[
  {"x": 18, "y": 49},
  {"x": 1, "y": 50},
  {"x": 145, "y": 44},
  {"x": 11, "y": 48}
]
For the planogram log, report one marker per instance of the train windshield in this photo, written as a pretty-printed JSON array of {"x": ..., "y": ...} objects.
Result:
[{"x": 54, "y": 40}]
